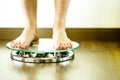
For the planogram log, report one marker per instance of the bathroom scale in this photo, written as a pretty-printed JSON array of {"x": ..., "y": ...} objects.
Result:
[{"x": 42, "y": 51}]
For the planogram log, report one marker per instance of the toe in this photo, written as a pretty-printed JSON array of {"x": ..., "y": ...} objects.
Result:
[
  {"x": 69, "y": 45},
  {"x": 63, "y": 46}
]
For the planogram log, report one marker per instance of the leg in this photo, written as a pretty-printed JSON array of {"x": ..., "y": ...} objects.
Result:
[
  {"x": 59, "y": 34},
  {"x": 29, "y": 33}
]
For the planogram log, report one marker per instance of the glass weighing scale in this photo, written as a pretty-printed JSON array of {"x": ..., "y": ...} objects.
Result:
[{"x": 42, "y": 51}]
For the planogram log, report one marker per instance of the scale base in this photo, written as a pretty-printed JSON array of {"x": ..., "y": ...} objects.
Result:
[{"x": 42, "y": 57}]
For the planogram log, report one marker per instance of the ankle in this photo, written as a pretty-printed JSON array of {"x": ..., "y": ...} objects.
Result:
[
  {"x": 32, "y": 29},
  {"x": 58, "y": 28},
  {"x": 59, "y": 25}
]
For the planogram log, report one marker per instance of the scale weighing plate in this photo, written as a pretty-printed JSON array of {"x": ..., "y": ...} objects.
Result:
[{"x": 42, "y": 51}]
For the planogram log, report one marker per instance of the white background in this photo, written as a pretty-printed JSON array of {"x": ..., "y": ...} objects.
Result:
[{"x": 81, "y": 13}]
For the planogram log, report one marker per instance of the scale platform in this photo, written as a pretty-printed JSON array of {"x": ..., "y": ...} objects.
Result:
[{"x": 42, "y": 51}]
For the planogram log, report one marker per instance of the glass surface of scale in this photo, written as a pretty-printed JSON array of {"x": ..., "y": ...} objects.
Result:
[{"x": 44, "y": 45}]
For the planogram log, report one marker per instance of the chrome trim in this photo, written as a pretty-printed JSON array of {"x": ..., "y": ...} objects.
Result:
[{"x": 42, "y": 58}]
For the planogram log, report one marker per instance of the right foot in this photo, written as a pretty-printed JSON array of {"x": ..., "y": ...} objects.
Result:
[
  {"x": 61, "y": 41},
  {"x": 25, "y": 39}
]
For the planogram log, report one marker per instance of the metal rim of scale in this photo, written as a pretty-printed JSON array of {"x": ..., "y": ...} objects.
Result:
[{"x": 42, "y": 58}]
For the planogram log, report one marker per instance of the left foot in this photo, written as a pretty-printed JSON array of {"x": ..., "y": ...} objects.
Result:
[
  {"x": 61, "y": 41},
  {"x": 25, "y": 39}
]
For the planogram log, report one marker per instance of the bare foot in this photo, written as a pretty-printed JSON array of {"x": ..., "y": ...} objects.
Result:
[
  {"x": 24, "y": 40},
  {"x": 61, "y": 41}
]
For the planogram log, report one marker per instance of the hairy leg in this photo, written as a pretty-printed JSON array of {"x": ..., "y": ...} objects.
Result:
[
  {"x": 61, "y": 40},
  {"x": 30, "y": 32}
]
